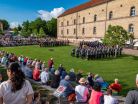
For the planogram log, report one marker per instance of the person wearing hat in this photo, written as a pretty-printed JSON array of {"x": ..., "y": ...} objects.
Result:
[
  {"x": 82, "y": 92},
  {"x": 132, "y": 96}
]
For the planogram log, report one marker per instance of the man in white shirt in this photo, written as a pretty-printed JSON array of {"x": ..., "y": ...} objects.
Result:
[
  {"x": 109, "y": 99},
  {"x": 44, "y": 76}
]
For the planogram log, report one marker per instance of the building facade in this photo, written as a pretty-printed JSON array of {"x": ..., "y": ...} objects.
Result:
[{"x": 91, "y": 20}]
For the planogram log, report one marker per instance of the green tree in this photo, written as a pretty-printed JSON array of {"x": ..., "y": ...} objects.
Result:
[
  {"x": 5, "y": 24},
  {"x": 1, "y": 32},
  {"x": 41, "y": 33},
  {"x": 115, "y": 35},
  {"x": 52, "y": 27},
  {"x": 26, "y": 30},
  {"x": 15, "y": 31}
]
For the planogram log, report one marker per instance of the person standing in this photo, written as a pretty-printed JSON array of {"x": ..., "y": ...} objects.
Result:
[
  {"x": 16, "y": 89},
  {"x": 132, "y": 96}
]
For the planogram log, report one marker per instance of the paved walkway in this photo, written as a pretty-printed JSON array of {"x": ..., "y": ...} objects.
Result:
[{"x": 130, "y": 52}]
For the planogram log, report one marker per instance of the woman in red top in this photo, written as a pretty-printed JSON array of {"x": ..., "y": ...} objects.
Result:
[
  {"x": 36, "y": 74},
  {"x": 96, "y": 95}
]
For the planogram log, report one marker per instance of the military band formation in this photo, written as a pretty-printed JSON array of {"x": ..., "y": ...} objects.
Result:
[
  {"x": 95, "y": 50},
  {"x": 53, "y": 43}
]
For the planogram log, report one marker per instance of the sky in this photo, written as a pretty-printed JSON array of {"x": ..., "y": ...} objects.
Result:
[{"x": 17, "y": 11}]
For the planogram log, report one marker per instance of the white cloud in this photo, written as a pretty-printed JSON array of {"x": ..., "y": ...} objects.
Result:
[
  {"x": 45, "y": 15},
  {"x": 14, "y": 24}
]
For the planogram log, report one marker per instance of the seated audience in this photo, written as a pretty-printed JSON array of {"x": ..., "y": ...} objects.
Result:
[
  {"x": 98, "y": 79},
  {"x": 1, "y": 78},
  {"x": 109, "y": 99},
  {"x": 16, "y": 90},
  {"x": 60, "y": 69},
  {"x": 66, "y": 83},
  {"x": 78, "y": 76},
  {"x": 64, "y": 73},
  {"x": 36, "y": 74},
  {"x": 72, "y": 75},
  {"x": 90, "y": 79},
  {"x": 82, "y": 92},
  {"x": 36, "y": 99},
  {"x": 96, "y": 95},
  {"x": 55, "y": 80},
  {"x": 132, "y": 96},
  {"x": 116, "y": 87},
  {"x": 50, "y": 63},
  {"x": 44, "y": 76}
]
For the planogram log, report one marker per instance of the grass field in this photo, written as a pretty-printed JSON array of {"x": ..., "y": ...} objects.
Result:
[{"x": 124, "y": 68}]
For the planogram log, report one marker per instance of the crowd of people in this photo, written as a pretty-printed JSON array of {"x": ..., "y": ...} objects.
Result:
[
  {"x": 53, "y": 43},
  {"x": 83, "y": 90},
  {"x": 95, "y": 50}
]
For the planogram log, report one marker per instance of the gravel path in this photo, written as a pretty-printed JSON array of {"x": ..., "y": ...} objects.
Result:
[{"x": 130, "y": 52}]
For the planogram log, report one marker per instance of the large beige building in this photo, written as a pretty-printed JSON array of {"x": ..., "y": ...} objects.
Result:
[{"x": 91, "y": 20}]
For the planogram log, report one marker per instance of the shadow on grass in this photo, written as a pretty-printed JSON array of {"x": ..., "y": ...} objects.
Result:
[{"x": 135, "y": 57}]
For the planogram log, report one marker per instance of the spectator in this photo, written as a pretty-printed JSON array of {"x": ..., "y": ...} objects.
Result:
[
  {"x": 109, "y": 99},
  {"x": 72, "y": 75},
  {"x": 64, "y": 73},
  {"x": 44, "y": 76},
  {"x": 98, "y": 79},
  {"x": 90, "y": 79},
  {"x": 60, "y": 69},
  {"x": 1, "y": 78},
  {"x": 36, "y": 74},
  {"x": 36, "y": 99},
  {"x": 82, "y": 92},
  {"x": 55, "y": 80},
  {"x": 52, "y": 69},
  {"x": 50, "y": 63},
  {"x": 16, "y": 89},
  {"x": 78, "y": 76},
  {"x": 66, "y": 83},
  {"x": 132, "y": 96},
  {"x": 96, "y": 95},
  {"x": 116, "y": 87}
]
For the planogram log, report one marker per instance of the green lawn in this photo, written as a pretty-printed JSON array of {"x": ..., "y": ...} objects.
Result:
[{"x": 124, "y": 68}]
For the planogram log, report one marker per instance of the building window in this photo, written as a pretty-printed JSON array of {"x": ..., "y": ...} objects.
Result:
[
  {"x": 67, "y": 23},
  {"x": 74, "y": 21},
  {"x": 62, "y": 24},
  {"x": 94, "y": 30},
  {"x": 83, "y": 30},
  {"x": 133, "y": 11},
  {"x": 110, "y": 15},
  {"x": 74, "y": 31},
  {"x": 95, "y": 17},
  {"x": 131, "y": 28},
  {"x": 67, "y": 31},
  {"x": 62, "y": 32},
  {"x": 83, "y": 19}
]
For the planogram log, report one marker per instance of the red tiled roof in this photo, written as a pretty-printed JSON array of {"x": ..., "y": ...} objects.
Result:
[{"x": 83, "y": 6}]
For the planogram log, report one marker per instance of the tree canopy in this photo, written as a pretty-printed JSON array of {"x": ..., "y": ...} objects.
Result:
[
  {"x": 5, "y": 24},
  {"x": 115, "y": 35},
  {"x": 39, "y": 28}
]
